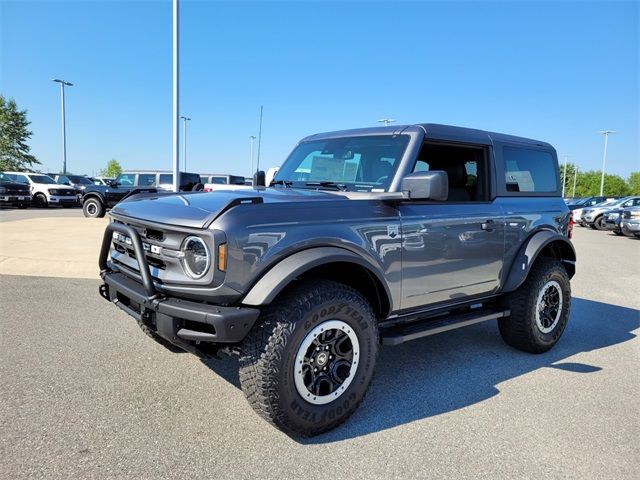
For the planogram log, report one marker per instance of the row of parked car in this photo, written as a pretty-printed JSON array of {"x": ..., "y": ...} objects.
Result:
[
  {"x": 618, "y": 215},
  {"x": 97, "y": 194}
]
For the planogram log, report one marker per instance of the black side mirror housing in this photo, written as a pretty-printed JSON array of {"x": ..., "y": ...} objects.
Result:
[
  {"x": 432, "y": 185},
  {"x": 259, "y": 179}
]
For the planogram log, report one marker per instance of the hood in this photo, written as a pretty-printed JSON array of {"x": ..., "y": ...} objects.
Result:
[
  {"x": 198, "y": 210},
  {"x": 14, "y": 187}
]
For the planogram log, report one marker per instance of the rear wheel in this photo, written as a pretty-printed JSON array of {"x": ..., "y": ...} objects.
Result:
[
  {"x": 308, "y": 363},
  {"x": 93, "y": 208},
  {"x": 539, "y": 308}
]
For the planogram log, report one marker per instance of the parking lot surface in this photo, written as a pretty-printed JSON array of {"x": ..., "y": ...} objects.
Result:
[{"x": 83, "y": 393}]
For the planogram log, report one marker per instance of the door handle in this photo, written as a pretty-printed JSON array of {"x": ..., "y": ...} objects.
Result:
[{"x": 488, "y": 226}]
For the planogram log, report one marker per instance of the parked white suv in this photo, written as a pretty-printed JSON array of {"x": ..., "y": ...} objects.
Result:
[{"x": 45, "y": 190}]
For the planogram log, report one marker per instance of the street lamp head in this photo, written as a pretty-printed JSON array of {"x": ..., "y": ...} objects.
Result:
[
  {"x": 386, "y": 121},
  {"x": 253, "y": 137},
  {"x": 606, "y": 132},
  {"x": 64, "y": 82},
  {"x": 185, "y": 118}
]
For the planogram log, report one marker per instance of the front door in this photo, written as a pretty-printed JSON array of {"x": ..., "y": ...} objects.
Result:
[{"x": 452, "y": 250}]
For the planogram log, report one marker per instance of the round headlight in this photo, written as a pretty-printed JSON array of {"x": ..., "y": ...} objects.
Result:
[{"x": 196, "y": 258}]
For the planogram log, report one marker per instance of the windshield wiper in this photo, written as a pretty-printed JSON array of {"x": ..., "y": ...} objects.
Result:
[
  {"x": 338, "y": 186},
  {"x": 285, "y": 183}
]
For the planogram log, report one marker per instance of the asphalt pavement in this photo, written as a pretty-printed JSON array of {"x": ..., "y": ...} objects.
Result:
[{"x": 84, "y": 394}]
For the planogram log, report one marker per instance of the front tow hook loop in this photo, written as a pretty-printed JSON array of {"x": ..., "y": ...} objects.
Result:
[{"x": 104, "y": 291}]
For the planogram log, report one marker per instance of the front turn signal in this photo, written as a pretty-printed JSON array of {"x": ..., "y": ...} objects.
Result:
[{"x": 222, "y": 257}]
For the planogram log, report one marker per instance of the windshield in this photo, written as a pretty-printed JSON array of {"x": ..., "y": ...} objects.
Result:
[
  {"x": 80, "y": 179},
  {"x": 42, "y": 179},
  {"x": 4, "y": 178},
  {"x": 356, "y": 163}
]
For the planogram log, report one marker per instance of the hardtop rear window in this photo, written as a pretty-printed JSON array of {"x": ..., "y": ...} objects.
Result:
[{"x": 529, "y": 170}]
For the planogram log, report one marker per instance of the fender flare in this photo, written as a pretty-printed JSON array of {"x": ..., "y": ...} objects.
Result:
[
  {"x": 89, "y": 195},
  {"x": 529, "y": 252},
  {"x": 282, "y": 273}
]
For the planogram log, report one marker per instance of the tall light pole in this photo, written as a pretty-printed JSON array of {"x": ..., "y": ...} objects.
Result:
[
  {"x": 63, "y": 84},
  {"x": 575, "y": 176},
  {"x": 606, "y": 134},
  {"x": 175, "y": 121},
  {"x": 184, "y": 141},
  {"x": 251, "y": 140},
  {"x": 259, "y": 139},
  {"x": 564, "y": 175},
  {"x": 386, "y": 121}
]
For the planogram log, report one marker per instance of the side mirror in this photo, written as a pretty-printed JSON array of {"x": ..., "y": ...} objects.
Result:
[
  {"x": 113, "y": 184},
  {"x": 259, "y": 179},
  {"x": 432, "y": 185}
]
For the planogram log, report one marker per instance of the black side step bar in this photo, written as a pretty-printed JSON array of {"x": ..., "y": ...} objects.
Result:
[{"x": 401, "y": 334}]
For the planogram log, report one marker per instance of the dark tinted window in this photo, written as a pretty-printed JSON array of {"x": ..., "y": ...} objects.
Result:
[
  {"x": 146, "y": 179},
  {"x": 529, "y": 170},
  {"x": 218, "y": 180}
]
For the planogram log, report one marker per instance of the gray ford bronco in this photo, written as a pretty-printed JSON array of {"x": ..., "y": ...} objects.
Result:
[{"x": 364, "y": 238}]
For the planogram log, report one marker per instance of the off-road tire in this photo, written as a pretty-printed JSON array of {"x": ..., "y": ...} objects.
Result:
[
  {"x": 520, "y": 329},
  {"x": 93, "y": 208},
  {"x": 40, "y": 200},
  {"x": 268, "y": 357},
  {"x": 598, "y": 223}
]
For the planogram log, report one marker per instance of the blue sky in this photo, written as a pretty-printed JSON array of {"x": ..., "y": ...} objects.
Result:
[{"x": 555, "y": 71}]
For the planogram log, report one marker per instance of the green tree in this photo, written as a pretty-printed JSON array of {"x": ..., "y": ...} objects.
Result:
[
  {"x": 112, "y": 170},
  {"x": 588, "y": 184},
  {"x": 634, "y": 183},
  {"x": 14, "y": 133}
]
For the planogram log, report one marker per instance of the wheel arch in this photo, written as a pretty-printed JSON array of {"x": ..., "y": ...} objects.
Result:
[
  {"x": 96, "y": 195},
  {"x": 331, "y": 263},
  {"x": 542, "y": 244}
]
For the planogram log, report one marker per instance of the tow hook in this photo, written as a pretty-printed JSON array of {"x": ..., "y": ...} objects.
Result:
[{"x": 104, "y": 291}]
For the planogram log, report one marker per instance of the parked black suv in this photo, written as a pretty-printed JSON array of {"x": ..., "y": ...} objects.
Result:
[
  {"x": 366, "y": 237},
  {"x": 96, "y": 199},
  {"x": 13, "y": 194}
]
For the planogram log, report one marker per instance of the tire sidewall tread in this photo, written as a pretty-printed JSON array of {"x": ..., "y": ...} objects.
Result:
[{"x": 269, "y": 353}]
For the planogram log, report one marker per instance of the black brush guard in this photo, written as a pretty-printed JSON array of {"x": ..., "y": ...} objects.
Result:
[{"x": 187, "y": 324}]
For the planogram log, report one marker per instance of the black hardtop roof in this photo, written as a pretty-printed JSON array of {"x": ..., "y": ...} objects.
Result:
[{"x": 434, "y": 131}]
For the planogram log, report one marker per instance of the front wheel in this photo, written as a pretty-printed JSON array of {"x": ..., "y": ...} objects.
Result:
[
  {"x": 93, "y": 208},
  {"x": 599, "y": 224},
  {"x": 539, "y": 308},
  {"x": 40, "y": 200},
  {"x": 308, "y": 363}
]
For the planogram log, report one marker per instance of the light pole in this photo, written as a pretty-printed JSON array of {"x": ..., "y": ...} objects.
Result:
[
  {"x": 251, "y": 140},
  {"x": 575, "y": 176},
  {"x": 386, "y": 121},
  {"x": 564, "y": 175},
  {"x": 606, "y": 134},
  {"x": 175, "y": 120},
  {"x": 63, "y": 83},
  {"x": 259, "y": 140},
  {"x": 184, "y": 141}
]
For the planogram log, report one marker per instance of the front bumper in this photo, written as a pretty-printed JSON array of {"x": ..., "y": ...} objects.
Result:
[
  {"x": 63, "y": 200},
  {"x": 190, "y": 325},
  {"x": 632, "y": 226},
  {"x": 15, "y": 200}
]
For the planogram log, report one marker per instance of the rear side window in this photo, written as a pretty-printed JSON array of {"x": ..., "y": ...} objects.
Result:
[
  {"x": 529, "y": 170},
  {"x": 166, "y": 178},
  {"x": 146, "y": 179}
]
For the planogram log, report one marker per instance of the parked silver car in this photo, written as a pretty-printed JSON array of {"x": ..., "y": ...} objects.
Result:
[
  {"x": 630, "y": 222},
  {"x": 594, "y": 216}
]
